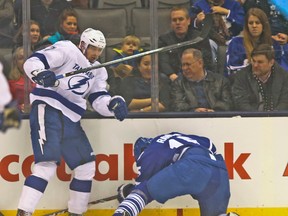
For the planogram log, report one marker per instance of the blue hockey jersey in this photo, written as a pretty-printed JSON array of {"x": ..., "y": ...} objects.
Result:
[{"x": 166, "y": 149}]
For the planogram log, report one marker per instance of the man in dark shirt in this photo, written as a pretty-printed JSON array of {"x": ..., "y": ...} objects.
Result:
[
  {"x": 198, "y": 89},
  {"x": 45, "y": 12},
  {"x": 169, "y": 62},
  {"x": 263, "y": 85}
]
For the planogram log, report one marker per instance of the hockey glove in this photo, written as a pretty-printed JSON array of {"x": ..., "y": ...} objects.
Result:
[
  {"x": 11, "y": 117},
  {"x": 44, "y": 77},
  {"x": 117, "y": 105},
  {"x": 123, "y": 191}
]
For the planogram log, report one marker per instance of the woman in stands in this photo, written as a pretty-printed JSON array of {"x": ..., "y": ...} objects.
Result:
[
  {"x": 16, "y": 78},
  {"x": 136, "y": 89},
  {"x": 35, "y": 35},
  {"x": 256, "y": 31},
  {"x": 67, "y": 29}
]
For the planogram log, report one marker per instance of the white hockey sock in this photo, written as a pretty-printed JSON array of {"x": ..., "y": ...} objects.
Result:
[
  {"x": 35, "y": 185},
  {"x": 79, "y": 196},
  {"x": 33, "y": 190}
]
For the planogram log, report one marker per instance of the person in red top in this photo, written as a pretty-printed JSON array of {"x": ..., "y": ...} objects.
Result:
[{"x": 16, "y": 79}]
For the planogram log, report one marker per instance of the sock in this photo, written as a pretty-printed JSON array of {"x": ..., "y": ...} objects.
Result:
[
  {"x": 133, "y": 204},
  {"x": 79, "y": 195},
  {"x": 32, "y": 192}
]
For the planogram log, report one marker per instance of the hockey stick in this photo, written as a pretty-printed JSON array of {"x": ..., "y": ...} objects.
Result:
[
  {"x": 203, "y": 34},
  {"x": 56, "y": 213}
]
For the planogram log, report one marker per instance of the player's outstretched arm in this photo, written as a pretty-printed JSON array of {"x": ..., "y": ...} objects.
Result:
[{"x": 118, "y": 106}]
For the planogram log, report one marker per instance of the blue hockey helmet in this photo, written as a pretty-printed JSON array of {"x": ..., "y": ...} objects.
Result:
[{"x": 140, "y": 145}]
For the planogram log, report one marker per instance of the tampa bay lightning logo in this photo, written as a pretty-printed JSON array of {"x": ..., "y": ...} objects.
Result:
[{"x": 78, "y": 84}]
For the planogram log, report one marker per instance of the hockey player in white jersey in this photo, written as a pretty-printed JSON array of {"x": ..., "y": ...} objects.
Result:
[
  {"x": 57, "y": 107},
  {"x": 9, "y": 115}
]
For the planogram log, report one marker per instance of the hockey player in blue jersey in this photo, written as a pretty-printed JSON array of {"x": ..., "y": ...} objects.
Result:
[
  {"x": 176, "y": 164},
  {"x": 56, "y": 109}
]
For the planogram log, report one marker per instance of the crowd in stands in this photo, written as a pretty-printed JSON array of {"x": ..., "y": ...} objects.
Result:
[{"x": 241, "y": 66}]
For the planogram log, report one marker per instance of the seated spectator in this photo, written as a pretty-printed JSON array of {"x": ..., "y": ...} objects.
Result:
[
  {"x": 6, "y": 23},
  {"x": 130, "y": 45},
  {"x": 199, "y": 90},
  {"x": 277, "y": 20},
  {"x": 45, "y": 12},
  {"x": 263, "y": 85},
  {"x": 256, "y": 31},
  {"x": 16, "y": 79},
  {"x": 67, "y": 29},
  {"x": 136, "y": 89},
  {"x": 228, "y": 18},
  {"x": 169, "y": 62},
  {"x": 35, "y": 35}
]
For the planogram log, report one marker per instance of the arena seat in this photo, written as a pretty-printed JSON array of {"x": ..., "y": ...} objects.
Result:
[
  {"x": 168, "y": 3},
  {"x": 128, "y": 5},
  {"x": 141, "y": 21},
  {"x": 172, "y": 3},
  {"x": 112, "y": 22}
]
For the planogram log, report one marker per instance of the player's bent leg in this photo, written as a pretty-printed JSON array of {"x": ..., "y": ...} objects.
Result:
[
  {"x": 134, "y": 203},
  {"x": 215, "y": 202},
  {"x": 80, "y": 188},
  {"x": 34, "y": 187}
]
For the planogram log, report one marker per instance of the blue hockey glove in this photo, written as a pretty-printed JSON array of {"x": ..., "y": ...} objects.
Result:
[
  {"x": 10, "y": 117},
  {"x": 117, "y": 105},
  {"x": 123, "y": 191},
  {"x": 44, "y": 77}
]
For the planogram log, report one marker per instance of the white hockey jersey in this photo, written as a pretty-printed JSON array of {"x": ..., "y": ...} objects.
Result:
[
  {"x": 69, "y": 94},
  {"x": 5, "y": 95}
]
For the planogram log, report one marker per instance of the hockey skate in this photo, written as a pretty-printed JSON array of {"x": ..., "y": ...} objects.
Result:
[
  {"x": 21, "y": 212},
  {"x": 232, "y": 214},
  {"x": 73, "y": 214},
  {"x": 121, "y": 213}
]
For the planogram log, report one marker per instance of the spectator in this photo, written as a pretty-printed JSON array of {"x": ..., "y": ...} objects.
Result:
[
  {"x": 199, "y": 90},
  {"x": 169, "y": 62},
  {"x": 130, "y": 45},
  {"x": 228, "y": 18},
  {"x": 45, "y": 12},
  {"x": 136, "y": 89},
  {"x": 277, "y": 20},
  {"x": 67, "y": 29},
  {"x": 16, "y": 79},
  {"x": 256, "y": 31},
  {"x": 35, "y": 35},
  {"x": 6, "y": 23},
  {"x": 263, "y": 85}
]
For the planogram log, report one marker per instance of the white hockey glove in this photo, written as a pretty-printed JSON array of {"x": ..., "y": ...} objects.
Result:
[
  {"x": 118, "y": 105},
  {"x": 123, "y": 191},
  {"x": 44, "y": 77}
]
